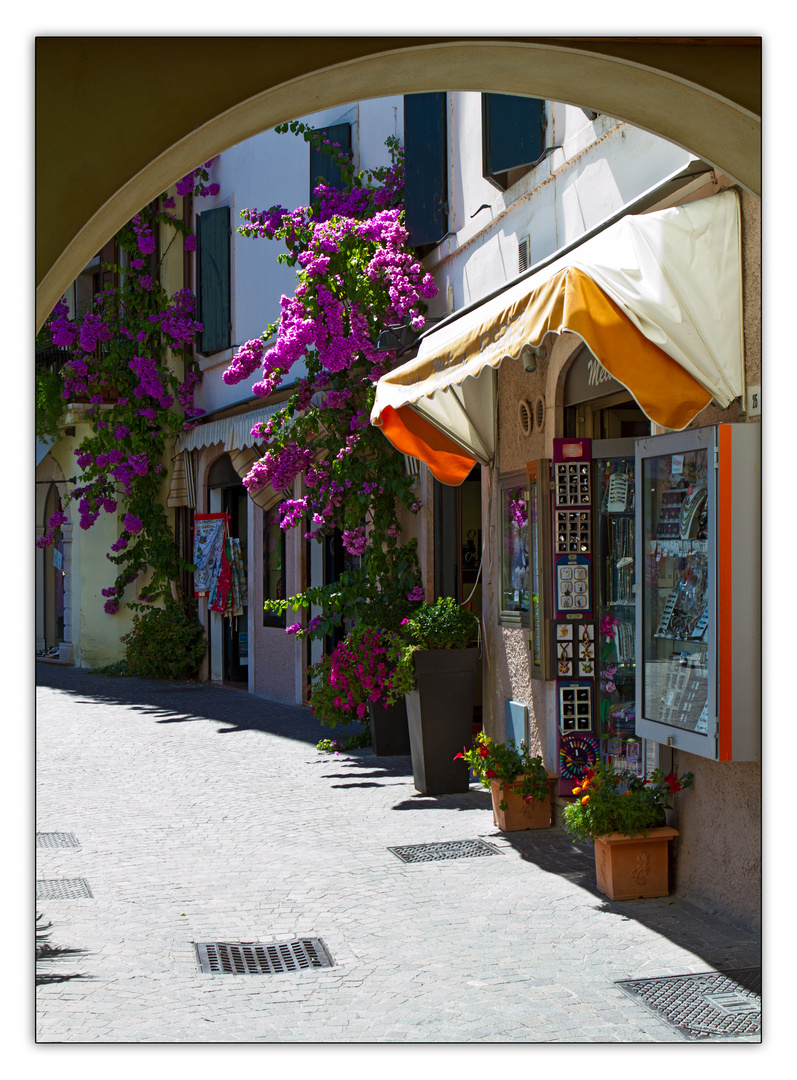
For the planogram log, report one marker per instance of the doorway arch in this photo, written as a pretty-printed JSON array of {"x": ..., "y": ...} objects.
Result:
[{"x": 120, "y": 140}]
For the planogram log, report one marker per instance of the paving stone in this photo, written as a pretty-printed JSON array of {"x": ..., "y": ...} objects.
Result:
[{"x": 208, "y": 815}]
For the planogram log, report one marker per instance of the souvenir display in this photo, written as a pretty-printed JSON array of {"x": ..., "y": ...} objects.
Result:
[{"x": 698, "y": 684}]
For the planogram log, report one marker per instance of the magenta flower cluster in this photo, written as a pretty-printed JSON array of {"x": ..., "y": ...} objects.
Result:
[
  {"x": 362, "y": 671},
  {"x": 355, "y": 276}
]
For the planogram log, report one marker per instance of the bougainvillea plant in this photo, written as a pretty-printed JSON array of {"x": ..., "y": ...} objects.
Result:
[
  {"x": 355, "y": 277},
  {"x": 130, "y": 362}
]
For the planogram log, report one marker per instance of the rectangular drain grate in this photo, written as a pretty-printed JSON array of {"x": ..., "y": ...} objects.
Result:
[
  {"x": 715, "y": 1003},
  {"x": 56, "y": 840},
  {"x": 62, "y": 889},
  {"x": 447, "y": 849},
  {"x": 260, "y": 958}
]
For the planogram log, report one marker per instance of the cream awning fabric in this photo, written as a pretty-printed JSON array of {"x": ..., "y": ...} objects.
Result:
[{"x": 657, "y": 298}]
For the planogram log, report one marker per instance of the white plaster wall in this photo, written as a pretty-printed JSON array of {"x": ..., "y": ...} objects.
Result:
[
  {"x": 602, "y": 166},
  {"x": 265, "y": 171}
]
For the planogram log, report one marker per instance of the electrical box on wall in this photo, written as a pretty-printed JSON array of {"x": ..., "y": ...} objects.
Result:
[{"x": 698, "y": 537}]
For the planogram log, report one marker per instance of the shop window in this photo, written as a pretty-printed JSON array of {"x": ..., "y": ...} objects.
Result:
[
  {"x": 213, "y": 278},
  {"x": 425, "y": 168},
  {"x": 513, "y": 137},
  {"x": 514, "y": 540},
  {"x": 323, "y": 167},
  {"x": 274, "y": 569}
]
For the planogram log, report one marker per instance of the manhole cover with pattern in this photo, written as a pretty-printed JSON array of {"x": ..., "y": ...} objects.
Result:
[
  {"x": 56, "y": 840},
  {"x": 62, "y": 889},
  {"x": 261, "y": 958},
  {"x": 725, "y": 1003},
  {"x": 448, "y": 849}
]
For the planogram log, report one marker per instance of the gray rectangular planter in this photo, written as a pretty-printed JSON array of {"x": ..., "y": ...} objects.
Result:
[
  {"x": 440, "y": 714},
  {"x": 390, "y": 735}
]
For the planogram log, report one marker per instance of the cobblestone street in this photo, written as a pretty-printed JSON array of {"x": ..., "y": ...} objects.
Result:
[{"x": 204, "y": 814}]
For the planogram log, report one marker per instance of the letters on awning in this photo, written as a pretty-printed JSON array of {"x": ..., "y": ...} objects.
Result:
[{"x": 657, "y": 298}]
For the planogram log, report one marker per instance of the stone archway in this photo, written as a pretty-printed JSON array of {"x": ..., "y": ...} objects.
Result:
[{"x": 118, "y": 140}]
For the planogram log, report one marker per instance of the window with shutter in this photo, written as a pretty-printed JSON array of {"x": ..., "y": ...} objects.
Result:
[
  {"x": 513, "y": 136},
  {"x": 323, "y": 167},
  {"x": 213, "y": 285},
  {"x": 425, "y": 168}
]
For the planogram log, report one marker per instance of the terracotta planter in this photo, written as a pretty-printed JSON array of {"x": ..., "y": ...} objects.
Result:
[
  {"x": 440, "y": 715},
  {"x": 629, "y": 867},
  {"x": 390, "y": 733},
  {"x": 519, "y": 814}
]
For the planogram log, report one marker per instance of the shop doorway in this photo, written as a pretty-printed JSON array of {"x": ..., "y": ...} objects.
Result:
[
  {"x": 229, "y": 637},
  {"x": 53, "y": 579},
  {"x": 458, "y": 551},
  {"x": 613, "y": 423}
]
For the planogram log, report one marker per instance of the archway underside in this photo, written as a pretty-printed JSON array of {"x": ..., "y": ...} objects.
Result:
[{"x": 109, "y": 140}]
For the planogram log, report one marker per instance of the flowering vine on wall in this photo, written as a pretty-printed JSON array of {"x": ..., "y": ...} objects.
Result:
[
  {"x": 355, "y": 276},
  {"x": 122, "y": 354}
]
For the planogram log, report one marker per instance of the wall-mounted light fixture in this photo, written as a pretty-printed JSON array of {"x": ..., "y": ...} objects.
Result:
[{"x": 530, "y": 354}]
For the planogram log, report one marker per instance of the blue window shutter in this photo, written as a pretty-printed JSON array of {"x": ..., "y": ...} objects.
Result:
[
  {"x": 513, "y": 134},
  {"x": 425, "y": 168},
  {"x": 323, "y": 168},
  {"x": 213, "y": 233}
]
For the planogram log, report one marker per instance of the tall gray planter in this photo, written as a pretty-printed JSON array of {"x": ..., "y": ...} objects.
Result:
[
  {"x": 390, "y": 735},
  {"x": 440, "y": 715}
]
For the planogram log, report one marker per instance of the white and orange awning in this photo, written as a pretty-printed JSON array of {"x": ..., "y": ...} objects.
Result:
[{"x": 656, "y": 297}]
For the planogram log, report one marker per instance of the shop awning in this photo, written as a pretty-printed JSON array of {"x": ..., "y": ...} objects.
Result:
[{"x": 656, "y": 297}]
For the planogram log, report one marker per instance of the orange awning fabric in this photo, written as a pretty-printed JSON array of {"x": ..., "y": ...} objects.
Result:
[{"x": 656, "y": 298}]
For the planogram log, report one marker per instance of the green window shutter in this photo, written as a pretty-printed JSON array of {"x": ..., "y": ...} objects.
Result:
[
  {"x": 323, "y": 168},
  {"x": 513, "y": 135},
  {"x": 213, "y": 247},
  {"x": 425, "y": 168}
]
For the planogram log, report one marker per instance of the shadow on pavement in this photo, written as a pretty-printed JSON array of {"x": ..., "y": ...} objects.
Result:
[
  {"x": 47, "y": 954},
  {"x": 177, "y": 703},
  {"x": 718, "y": 942}
]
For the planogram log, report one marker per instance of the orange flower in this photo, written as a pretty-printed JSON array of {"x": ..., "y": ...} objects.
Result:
[
  {"x": 585, "y": 800},
  {"x": 576, "y": 790}
]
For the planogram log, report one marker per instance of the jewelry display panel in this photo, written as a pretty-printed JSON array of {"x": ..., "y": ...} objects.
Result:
[
  {"x": 573, "y": 485},
  {"x": 573, "y": 531},
  {"x": 575, "y": 707},
  {"x": 573, "y": 586}
]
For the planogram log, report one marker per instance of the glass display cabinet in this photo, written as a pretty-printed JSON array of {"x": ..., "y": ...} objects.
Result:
[
  {"x": 539, "y": 553},
  {"x": 698, "y": 625}
]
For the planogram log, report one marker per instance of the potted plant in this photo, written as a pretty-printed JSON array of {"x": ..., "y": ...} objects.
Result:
[
  {"x": 624, "y": 816},
  {"x": 519, "y": 784},
  {"x": 359, "y": 675},
  {"x": 439, "y": 662}
]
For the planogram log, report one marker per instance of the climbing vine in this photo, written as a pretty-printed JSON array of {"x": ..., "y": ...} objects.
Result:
[
  {"x": 121, "y": 357},
  {"x": 355, "y": 277}
]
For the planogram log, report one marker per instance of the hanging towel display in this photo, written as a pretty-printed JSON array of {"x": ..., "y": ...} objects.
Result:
[
  {"x": 237, "y": 596},
  {"x": 210, "y": 532}
]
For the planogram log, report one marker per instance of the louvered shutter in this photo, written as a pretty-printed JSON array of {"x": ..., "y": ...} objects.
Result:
[
  {"x": 213, "y": 234},
  {"x": 513, "y": 134},
  {"x": 425, "y": 168},
  {"x": 323, "y": 168}
]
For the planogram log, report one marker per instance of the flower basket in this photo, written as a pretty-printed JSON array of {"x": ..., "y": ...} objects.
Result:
[
  {"x": 519, "y": 814},
  {"x": 630, "y": 867}
]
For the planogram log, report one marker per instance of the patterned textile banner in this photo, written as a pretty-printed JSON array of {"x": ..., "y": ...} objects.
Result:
[{"x": 210, "y": 531}]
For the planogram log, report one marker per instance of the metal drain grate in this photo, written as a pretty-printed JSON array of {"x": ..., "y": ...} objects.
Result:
[
  {"x": 448, "y": 849},
  {"x": 56, "y": 840},
  {"x": 62, "y": 889},
  {"x": 715, "y": 1003},
  {"x": 259, "y": 958}
]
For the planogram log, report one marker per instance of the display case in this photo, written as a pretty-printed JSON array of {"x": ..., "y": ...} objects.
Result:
[
  {"x": 698, "y": 625},
  {"x": 615, "y": 584}
]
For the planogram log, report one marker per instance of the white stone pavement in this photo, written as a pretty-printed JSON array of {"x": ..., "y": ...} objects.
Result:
[{"x": 204, "y": 814}]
